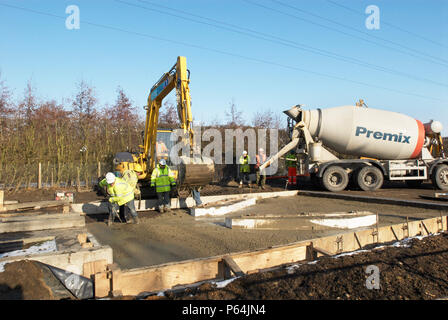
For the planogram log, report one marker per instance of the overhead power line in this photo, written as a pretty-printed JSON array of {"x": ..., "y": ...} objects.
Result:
[
  {"x": 390, "y": 25},
  {"x": 272, "y": 63},
  {"x": 277, "y": 40},
  {"x": 356, "y": 30},
  {"x": 407, "y": 51}
]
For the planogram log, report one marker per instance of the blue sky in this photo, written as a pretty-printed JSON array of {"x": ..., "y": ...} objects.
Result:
[{"x": 411, "y": 46}]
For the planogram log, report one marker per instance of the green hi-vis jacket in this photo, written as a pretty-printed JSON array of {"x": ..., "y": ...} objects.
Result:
[
  {"x": 162, "y": 179},
  {"x": 121, "y": 192},
  {"x": 244, "y": 164},
  {"x": 291, "y": 160}
]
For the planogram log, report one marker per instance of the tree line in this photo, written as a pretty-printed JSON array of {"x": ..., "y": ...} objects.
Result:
[{"x": 70, "y": 138}]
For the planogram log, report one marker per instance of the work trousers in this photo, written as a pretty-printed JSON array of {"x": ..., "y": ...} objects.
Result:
[
  {"x": 292, "y": 175},
  {"x": 114, "y": 209},
  {"x": 197, "y": 197},
  {"x": 244, "y": 176},
  {"x": 261, "y": 178},
  {"x": 164, "y": 199}
]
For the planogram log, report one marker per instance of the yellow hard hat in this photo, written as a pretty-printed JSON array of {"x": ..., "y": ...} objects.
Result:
[{"x": 138, "y": 168}]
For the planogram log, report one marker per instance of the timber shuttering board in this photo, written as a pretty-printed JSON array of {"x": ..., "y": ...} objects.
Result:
[
  {"x": 35, "y": 205},
  {"x": 42, "y": 222},
  {"x": 163, "y": 277}
]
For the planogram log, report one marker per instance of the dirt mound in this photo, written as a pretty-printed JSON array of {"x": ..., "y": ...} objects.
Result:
[
  {"x": 419, "y": 271},
  {"x": 24, "y": 280},
  {"x": 31, "y": 280}
]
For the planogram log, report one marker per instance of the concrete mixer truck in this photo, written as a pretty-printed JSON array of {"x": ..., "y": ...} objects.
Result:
[{"x": 380, "y": 145}]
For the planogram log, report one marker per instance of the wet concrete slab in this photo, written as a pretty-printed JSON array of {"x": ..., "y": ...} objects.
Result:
[{"x": 177, "y": 236}]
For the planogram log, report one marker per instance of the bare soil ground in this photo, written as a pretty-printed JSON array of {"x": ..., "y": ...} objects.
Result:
[
  {"x": 28, "y": 195},
  {"x": 30, "y": 280},
  {"x": 416, "y": 272},
  {"x": 396, "y": 189},
  {"x": 389, "y": 190}
]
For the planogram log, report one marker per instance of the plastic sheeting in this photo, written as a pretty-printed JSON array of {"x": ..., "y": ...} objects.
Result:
[{"x": 81, "y": 287}]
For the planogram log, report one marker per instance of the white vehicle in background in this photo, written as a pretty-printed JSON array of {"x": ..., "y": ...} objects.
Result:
[{"x": 380, "y": 145}]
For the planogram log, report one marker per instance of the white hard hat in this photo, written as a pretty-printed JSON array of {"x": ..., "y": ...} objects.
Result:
[
  {"x": 261, "y": 150},
  {"x": 244, "y": 152},
  {"x": 110, "y": 178},
  {"x": 162, "y": 162}
]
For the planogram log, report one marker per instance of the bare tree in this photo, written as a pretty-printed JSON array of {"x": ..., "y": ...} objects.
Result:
[
  {"x": 266, "y": 119},
  {"x": 84, "y": 102},
  {"x": 235, "y": 117},
  {"x": 5, "y": 98},
  {"x": 29, "y": 103},
  {"x": 122, "y": 111},
  {"x": 85, "y": 113},
  {"x": 168, "y": 114},
  {"x": 5, "y": 103}
]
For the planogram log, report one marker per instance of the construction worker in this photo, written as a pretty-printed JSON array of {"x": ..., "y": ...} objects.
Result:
[
  {"x": 131, "y": 177},
  {"x": 244, "y": 169},
  {"x": 162, "y": 179},
  {"x": 261, "y": 175},
  {"x": 291, "y": 164},
  {"x": 161, "y": 150},
  {"x": 120, "y": 194},
  {"x": 197, "y": 197}
]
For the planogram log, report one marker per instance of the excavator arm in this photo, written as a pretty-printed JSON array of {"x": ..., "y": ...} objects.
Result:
[
  {"x": 176, "y": 78},
  {"x": 192, "y": 172}
]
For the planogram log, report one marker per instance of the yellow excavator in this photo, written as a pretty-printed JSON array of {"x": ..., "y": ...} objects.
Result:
[{"x": 190, "y": 170}]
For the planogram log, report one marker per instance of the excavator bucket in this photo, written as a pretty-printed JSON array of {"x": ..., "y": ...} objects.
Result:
[{"x": 195, "y": 171}]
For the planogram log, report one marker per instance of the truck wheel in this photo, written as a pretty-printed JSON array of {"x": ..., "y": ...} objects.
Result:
[
  {"x": 370, "y": 178},
  {"x": 335, "y": 178},
  {"x": 440, "y": 177}
]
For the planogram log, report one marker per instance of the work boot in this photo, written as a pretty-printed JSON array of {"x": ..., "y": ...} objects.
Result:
[
  {"x": 240, "y": 186},
  {"x": 127, "y": 218},
  {"x": 136, "y": 220},
  {"x": 167, "y": 208},
  {"x": 161, "y": 209}
]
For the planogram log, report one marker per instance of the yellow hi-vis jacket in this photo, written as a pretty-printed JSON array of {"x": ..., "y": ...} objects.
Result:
[
  {"x": 162, "y": 178},
  {"x": 244, "y": 164},
  {"x": 131, "y": 178},
  {"x": 121, "y": 192}
]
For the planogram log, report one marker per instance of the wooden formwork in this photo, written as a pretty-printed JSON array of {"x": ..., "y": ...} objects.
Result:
[
  {"x": 41, "y": 222},
  {"x": 166, "y": 276},
  {"x": 35, "y": 219},
  {"x": 35, "y": 205}
]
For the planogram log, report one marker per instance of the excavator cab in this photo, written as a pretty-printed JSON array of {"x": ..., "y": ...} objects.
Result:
[{"x": 164, "y": 146}]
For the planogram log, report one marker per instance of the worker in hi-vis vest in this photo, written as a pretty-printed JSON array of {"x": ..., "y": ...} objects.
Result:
[
  {"x": 244, "y": 169},
  {"x": 291, "y": 164},
  {"x": 131, "y": 176},
  {"x": 162, "y": 179},
  {"x": 120, "y": 194},
  {"x": 261, "y": 175}
]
